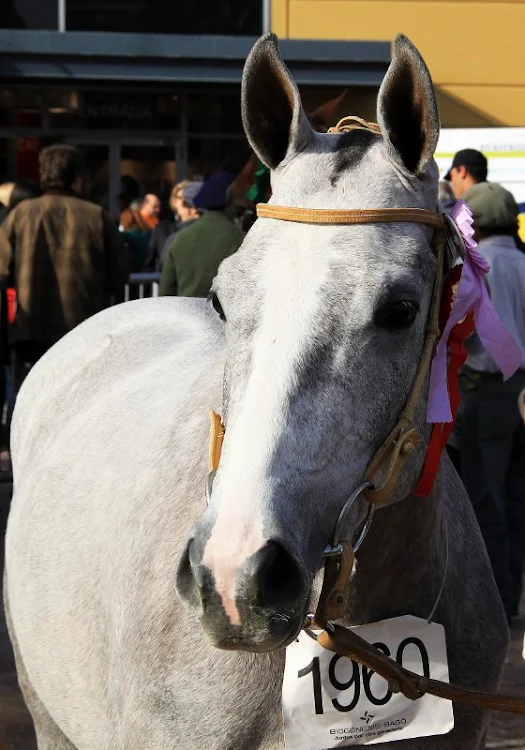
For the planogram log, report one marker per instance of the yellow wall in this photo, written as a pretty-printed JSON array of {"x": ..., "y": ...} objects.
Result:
[{"x": 475, "y": 49}]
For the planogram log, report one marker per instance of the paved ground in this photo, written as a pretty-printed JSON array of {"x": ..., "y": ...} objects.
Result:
[
  {"x": 16, "y": 732},
  {"x": 508, "y": 731}
]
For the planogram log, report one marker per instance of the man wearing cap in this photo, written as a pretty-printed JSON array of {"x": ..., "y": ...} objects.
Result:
[
  {"x": 192, "y": 260},
  {"x": 490, "y": 430},
  {"x": 469, "y": 167}
]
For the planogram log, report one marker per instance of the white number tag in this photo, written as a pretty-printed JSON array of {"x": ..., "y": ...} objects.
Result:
[{"x": 330, "y": 701}]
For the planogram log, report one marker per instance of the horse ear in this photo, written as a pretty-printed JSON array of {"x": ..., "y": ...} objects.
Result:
[
  {"x": 407, "y": 110},
  {"x": 273, "y": 117}
]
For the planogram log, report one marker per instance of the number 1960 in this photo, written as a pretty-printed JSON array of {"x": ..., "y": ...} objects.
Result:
[{"x": 360, "y": 676}]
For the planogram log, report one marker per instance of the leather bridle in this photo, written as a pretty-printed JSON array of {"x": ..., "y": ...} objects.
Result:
[
  {"x": 404, "y": 438},
  {"x": 387, "y": 463}
]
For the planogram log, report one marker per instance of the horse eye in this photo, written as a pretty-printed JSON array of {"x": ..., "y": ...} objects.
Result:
[
  {"x": 398, "y": 315},
  {"x": 217, "y": 305}
]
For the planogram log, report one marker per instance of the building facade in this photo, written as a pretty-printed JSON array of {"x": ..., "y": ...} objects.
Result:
[
  {"x": 149, "y": 88},
  {"x": 474, "y": 48}
]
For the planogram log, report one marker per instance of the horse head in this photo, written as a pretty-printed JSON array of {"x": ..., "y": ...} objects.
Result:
[{"x": 324, "y": 328}]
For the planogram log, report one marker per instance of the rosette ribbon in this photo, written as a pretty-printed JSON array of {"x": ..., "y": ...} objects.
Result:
[{"x": 471, "y": 308}]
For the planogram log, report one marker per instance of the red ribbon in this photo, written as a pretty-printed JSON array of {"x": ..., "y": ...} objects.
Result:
[{"x": 457, "y": 354}]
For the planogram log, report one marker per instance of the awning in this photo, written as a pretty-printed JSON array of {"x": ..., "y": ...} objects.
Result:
[{"x": 27, "y": 56}]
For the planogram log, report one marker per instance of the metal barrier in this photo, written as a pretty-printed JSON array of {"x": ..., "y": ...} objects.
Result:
[{"x": 141, "y": 285}]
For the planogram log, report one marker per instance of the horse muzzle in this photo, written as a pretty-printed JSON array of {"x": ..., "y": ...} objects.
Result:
[{"x": 255, "y": 604}]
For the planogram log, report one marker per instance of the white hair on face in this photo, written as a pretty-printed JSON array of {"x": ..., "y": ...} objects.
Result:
[{"x": 292, "y": 281}]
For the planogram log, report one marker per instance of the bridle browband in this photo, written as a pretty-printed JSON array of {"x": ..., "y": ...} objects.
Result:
[
  {"x": 388, "y": 462},
  {"x": 346, "y": 216}
]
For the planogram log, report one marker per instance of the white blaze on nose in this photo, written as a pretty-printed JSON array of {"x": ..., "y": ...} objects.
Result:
[
  {"x": 231, "y": 543},
  {"x": 291, "y": 277}
]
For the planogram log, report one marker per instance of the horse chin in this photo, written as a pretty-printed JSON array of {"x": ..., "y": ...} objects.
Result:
[{"x": 257, "y": 634}]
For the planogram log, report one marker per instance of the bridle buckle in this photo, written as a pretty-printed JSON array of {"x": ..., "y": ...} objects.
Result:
[{"x": 339, "y": 563}]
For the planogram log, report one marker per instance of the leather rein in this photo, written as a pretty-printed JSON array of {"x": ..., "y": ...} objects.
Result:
[{"x": 382, "y": 473}]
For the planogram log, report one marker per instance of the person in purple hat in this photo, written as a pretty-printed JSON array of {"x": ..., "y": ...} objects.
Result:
[
  {"x": 192, "y": 260},
  {"x": 186, "y": 214}
]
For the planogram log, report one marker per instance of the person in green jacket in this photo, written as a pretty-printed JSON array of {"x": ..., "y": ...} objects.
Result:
[{"x": 192, "y": 260}]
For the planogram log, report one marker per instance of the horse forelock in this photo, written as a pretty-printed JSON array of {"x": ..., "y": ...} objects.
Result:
[{"x": 351, "y": 148}]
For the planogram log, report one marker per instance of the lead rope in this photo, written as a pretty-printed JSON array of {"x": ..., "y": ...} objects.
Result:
[
  {"x": 346, "y": 642},
  {"x": 352, "y": 122}
]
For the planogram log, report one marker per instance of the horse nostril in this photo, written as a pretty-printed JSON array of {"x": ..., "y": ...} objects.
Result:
[
  {"x": 186, "y": 583},
  {"x": 281, "y": 581}
]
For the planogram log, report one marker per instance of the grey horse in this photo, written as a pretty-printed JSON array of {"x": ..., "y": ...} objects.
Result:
[{"x": 308, "y": 346}]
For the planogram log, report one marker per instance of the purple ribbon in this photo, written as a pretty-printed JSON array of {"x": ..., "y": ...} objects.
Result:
[{"x": 472, "y": 294}]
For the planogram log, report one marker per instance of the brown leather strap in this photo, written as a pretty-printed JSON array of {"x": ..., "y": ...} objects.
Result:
[
  {"x": 403, "y": 439},
  {"x": 350, "y": 216},
  {"x": 337, "y": 573},
  {"x": 399, "y": 447},
  {"x": 216, "y": 439},
  {"x": 347, "y": 643}
]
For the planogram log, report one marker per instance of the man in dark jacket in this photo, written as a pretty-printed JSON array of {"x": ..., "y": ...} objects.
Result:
[
  {"x": 192, "y": 260},
  {"x": 65, "y": 255}
]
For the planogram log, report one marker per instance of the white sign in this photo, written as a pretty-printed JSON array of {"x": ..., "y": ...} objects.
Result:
[
  {"x": 330, "y": 701},
  {"x": 503, "y": 147}
]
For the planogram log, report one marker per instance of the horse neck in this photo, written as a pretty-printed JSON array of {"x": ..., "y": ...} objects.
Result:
[{"x": 401, "y": 564}]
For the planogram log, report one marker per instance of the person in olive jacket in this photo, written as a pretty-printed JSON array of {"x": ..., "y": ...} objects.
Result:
[{"x": 192, "y": 260}]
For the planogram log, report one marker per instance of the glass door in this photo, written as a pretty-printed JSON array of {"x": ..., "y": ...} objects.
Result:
[
  {"x": 95, "y": 177},
  {"x": 152, "y": 166},
  {"x": 150, "y": 163},
  {"x": 96, "y": 168}
]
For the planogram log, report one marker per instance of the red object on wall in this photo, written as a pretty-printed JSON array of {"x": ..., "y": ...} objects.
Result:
[
  {"x": 27, "y": 150},
  {"x": 11, "y": 305}
]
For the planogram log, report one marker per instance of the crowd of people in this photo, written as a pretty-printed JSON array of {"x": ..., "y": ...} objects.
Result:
[
  {"x": 62, "y": 259},
  {"x": 488, "y": 443},
  {"x": 149, "y": 231},
  {"x": 65, "y": 259},
  {"x": 187, "y": 247}
]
